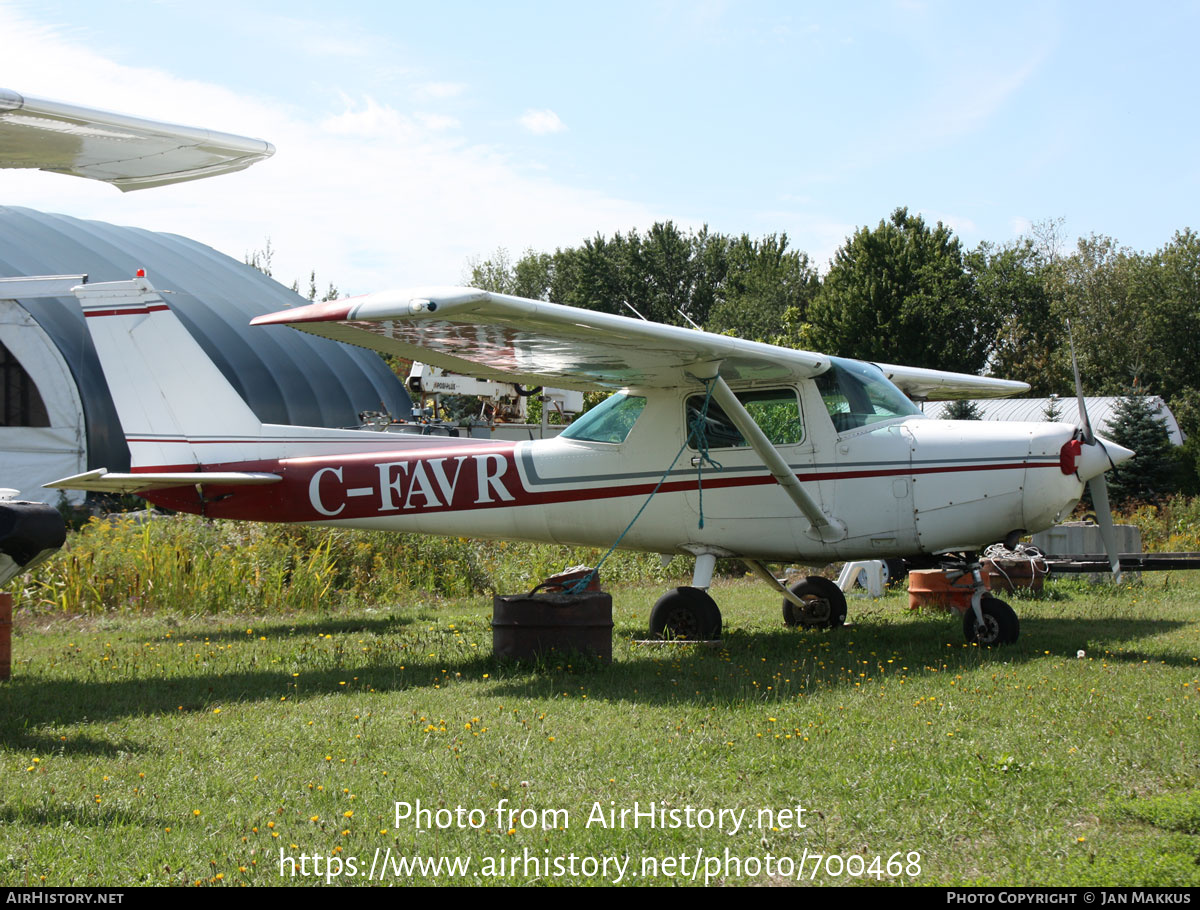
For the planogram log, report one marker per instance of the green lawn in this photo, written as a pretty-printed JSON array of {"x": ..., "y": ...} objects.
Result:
[{"x": 152, "y": 750}]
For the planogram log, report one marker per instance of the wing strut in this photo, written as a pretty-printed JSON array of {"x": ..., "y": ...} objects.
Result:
[{"x": 826, "y": 528}]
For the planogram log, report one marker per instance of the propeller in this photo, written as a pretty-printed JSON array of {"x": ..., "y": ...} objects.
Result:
[{"x": 1096, "y": 485}]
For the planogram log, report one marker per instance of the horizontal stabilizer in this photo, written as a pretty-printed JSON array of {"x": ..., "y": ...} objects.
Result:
[{"x": 101, "y": 481}]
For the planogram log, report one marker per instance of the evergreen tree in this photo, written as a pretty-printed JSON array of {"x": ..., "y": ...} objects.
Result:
[
  {"x": 1052, "y": 412},
  {"x": 1148, "y": 476},
  {"x": 962, "y": 409}
]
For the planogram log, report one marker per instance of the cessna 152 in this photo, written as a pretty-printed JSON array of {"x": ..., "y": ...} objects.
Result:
[{"x": 718, "y": 447}]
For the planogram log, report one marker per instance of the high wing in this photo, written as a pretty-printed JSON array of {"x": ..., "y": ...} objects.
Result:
[
  {"x": 938, "y": 385},
  {"x": 496, "y": 336},
  {"x": 128, "y": 152}
]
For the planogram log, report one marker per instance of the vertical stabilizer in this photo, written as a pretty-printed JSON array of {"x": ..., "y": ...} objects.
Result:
[{"x": 176, "y": 407}]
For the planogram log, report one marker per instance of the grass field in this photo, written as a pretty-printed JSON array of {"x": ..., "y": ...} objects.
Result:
[{"x": 158, "y": 749}]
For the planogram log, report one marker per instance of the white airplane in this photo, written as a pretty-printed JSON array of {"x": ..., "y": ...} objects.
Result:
[{"x": 710, "y": 446}]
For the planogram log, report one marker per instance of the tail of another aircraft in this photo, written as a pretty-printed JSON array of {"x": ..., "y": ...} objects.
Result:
[{"x": 176, "y": 407}]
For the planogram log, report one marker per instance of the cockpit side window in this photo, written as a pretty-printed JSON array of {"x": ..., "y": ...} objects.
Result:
[
  {"x": 857, "y": 394},
  {"x": 609, "y": 421},
  {"x": 776, "y": 411}
]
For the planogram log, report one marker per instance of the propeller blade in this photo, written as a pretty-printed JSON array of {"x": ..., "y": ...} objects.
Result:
[
  {"x": 1085, "y": 424},
  {"x": 1096, "y": 485},
  {"x": 1108, "y": 533}
]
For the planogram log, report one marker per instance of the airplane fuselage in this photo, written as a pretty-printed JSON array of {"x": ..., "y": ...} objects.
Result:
[{"x": 900, "y": 487}]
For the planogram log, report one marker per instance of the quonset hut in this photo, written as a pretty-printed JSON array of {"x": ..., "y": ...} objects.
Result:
[{"x": 56, "y": 415}]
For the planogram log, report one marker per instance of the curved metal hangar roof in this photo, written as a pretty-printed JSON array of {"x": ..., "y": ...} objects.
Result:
[{"x": 286, "y": 376}]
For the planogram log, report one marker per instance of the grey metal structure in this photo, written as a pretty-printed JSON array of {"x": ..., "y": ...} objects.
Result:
[{"x": 286, "y": 377}]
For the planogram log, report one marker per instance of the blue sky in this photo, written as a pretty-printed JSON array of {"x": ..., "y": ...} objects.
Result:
[{"x": 413, "y": 136}]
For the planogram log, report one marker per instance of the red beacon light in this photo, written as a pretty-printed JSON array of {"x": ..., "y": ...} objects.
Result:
[{"x": 141, "y": 273}]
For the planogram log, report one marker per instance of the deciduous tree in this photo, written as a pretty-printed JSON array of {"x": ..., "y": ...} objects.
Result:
[{"x": 900, "y": 293}]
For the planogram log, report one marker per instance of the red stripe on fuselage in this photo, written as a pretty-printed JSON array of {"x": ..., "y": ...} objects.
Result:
[{"x": 381, "y": 484}]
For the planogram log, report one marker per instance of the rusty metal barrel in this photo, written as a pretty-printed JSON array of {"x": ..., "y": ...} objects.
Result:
[
  {"x": 931, "y": 588},
  {"x": 535, "y": 625}
]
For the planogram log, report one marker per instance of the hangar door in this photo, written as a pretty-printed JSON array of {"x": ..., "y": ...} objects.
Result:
[{"x": 42, "y": 431}]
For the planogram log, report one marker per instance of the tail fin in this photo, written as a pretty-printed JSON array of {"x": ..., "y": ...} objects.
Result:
[{"x": 169, "y": 395}]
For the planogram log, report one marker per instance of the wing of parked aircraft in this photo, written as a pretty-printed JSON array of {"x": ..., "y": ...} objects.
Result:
[
  {"x": 129, "y": 152},
  {"x": 497, "y": 336}
]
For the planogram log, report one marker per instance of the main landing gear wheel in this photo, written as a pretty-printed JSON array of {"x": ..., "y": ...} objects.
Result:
[
  {"x": 897, "y": 571},
  {"x": 688, "y": 614},
  {"x": 825, "y": 604},
  {"x": 1000, "y": 623}
]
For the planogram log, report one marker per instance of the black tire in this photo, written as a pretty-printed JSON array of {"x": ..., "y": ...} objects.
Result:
[
  {"x": 1000, "y": 623},
  {"x": 686, "y": 613},
  {"x": 826, "y": 604},
  {"x": 897, "y": 571}
]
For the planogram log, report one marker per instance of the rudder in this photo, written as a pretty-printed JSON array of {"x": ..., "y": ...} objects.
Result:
[{"x": 168, "y": 394}]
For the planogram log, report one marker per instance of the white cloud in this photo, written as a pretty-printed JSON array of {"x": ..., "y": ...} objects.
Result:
[
  {"x": 542, "y": 121},
  {"x": 370, "y": 120},
  {"x": 369, "y": 195}
]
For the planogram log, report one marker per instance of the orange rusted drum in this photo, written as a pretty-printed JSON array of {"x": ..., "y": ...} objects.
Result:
[
  {"x": 929, "y": 588},
  {"x": 1015, "y": 574},
  {"x": 5, "y": 636}
]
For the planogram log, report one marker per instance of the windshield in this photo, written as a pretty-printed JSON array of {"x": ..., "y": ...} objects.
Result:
[
  {"x": 609, "y": 421},
  {"x": 857, "y": 394}
]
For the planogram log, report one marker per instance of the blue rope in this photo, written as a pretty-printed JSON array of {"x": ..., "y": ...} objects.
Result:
[{"x": 697, "y": 430}]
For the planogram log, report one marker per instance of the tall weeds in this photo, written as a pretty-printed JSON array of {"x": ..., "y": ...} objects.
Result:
[{"x": 184, "y": 564}]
